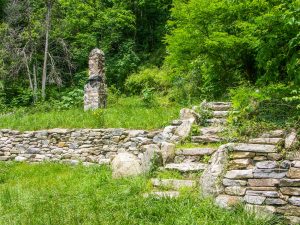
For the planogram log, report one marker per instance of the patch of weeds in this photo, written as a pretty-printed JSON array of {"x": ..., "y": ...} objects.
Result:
[
  {"x": 195, "y": 130},
  {"x": 169, "y": 174},
  {"x": 206, "y": 158}
]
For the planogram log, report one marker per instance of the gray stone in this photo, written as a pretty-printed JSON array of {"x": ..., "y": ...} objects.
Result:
[
  {"x": 294, "y": 200},
  {"x": 293, "y": 220},
  {"x": 239, "y": 164},
  {"x": 274, "y": 134},
  {"x": 217, "y": 106},
  {"x": 266, "y": 165},
  {"x": 290, "y": 191},
  {"x": 167, "y": 152},
  {"x": 151, "y": 157},
  {"x": 235, "y": 190},
  {"x": 206, "y": 139},
  {"x": 289, "y": 210},
  {"x": 216, "y": 121},
  {"x": 296, "y": 164},
  {"x": 256, "y": 200},
  {"x": 289, "y": 182},
  {"x": 271, "y": 141},
  {"x": 275, "y": 201},
  {"x": 263, "y": 182},
  {"x": 211, "y": 130},
  {"x": 294, "y": 173},
  {"x": 274, "y": 156},
  {"x": 220, "y": 114},
  {"x": 242, "y": 155},
  {"x": 228, "y": 182},
  {"x": 269, "y": 173},
  {"x": 186, "y": 167},
  {"x": 195, "y": 151},
  {"x": 184, "y": 129},
  {"x": 186, "y": 114},
  {"x": 291, "y": 139},
  {"x": 20, "y": 159},
  {"x": 270, "y": 194},
  {"x": 210, "y": 180},
  {"x": 227, "y": 201},
  {"x": 255, "y": 148},
  {"x": 125, "y": 164},
  {"x": 239, "y": 174}
]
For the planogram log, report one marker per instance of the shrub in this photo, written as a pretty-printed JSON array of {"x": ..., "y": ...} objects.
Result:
[{"x": 147, "y": 78}]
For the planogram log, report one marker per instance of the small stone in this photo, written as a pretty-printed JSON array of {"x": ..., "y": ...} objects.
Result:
[
  {"x": 294, "y": 200},
  {"x": 291, "y": 140},
  {"x": 242, "y": 155},
  {"x": 271, "y": 194},
  {"x": 167, "y": 152},
  {"x": 274, "y": 134},
  {"x": 275, "y": 201},
  {"x": 289, "y": 210},
  {"x": 260, "y": 158},
  {"x": 293, "y": 220},
  {"x": 239, "y": 174},
  {"x": 228, "y": 182},
  {"x": 20, "y": 159},
  {"x": 296, "y": 164},
  {"x": 290, "y": 191},
  {"x": 255, "y": 148},
  {"x": 263, "y": 182},
  {"x": 227, "y": 201},
  {"x": 239, "y": 164},
  {"x": 294, "y": 173},
  {"x": 257, "y": 200},
  {"x": 269, "y": 173},
  {"x": 266, "y": 165},
  {"x": 271, "y": 141},
  {"x": 235, "y": 190},
  {"x": 289, "y": 182},
  {"x": 274, "y": 156}
]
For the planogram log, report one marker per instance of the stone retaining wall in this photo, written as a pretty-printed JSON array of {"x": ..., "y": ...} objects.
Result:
[{"x": 86, "y": 145}]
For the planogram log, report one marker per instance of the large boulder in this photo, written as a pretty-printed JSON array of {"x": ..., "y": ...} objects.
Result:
[
  {"x": 125, "y": 164},
  {"x": 167, "y": 152}
]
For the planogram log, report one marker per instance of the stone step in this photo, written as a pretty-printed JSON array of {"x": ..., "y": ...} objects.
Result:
[
  {"x": 271, "y": 141},
  {"x": 274, "y": 134},
  {"x": 206, "y": 139},
  {"x": 220, "y": 114},
  {"x": 162, "y": 194},
  {"x": 173, "y": 183},
  {"x": 216, "y": 121},
  {"x": 195, "y": 151},
  {"x": 218, "y": 106},
  {"x": 260, "y": 148},
  {"x": 211, "y": 130},
  {"x": 186, "y": 167}
]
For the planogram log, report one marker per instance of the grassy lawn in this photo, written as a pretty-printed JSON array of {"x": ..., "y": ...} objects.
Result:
[
  {"x": 40, "y": 194},
  {"x": 125, "y": 113}
]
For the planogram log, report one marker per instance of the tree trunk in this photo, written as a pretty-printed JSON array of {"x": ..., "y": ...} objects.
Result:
[{"x": 44, "y": 76}]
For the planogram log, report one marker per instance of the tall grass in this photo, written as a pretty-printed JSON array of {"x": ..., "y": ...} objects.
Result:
[
  {"x": 125, "y": 113},
  {"x": 43, "y": 194}
]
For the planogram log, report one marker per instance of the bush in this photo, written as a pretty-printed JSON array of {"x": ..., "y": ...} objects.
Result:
[
  {"x": 147, "y": 78},
  {"x": 263, "y": 108}
]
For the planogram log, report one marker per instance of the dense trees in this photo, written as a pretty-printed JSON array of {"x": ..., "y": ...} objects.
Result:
[{"x": 211, "y": 45}]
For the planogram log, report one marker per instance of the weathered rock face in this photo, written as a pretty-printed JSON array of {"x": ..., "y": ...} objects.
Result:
[
  {"x": 126, "y": 164},
  {"x": 95, "y": 93},
  {"x": 210, "y": 180}
]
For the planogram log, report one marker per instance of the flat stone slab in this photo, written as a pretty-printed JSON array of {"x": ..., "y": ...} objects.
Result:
[
  {"x": 173, "y": 183},
  {"x": 162, "y": 194},
  {"x": 270, "y": 141},
  {"x": 220, "y": 114},
  {"x": 255, "y": 148},
  {"x": 218, "y": 106},
  {"x": 195, "y": 151},
  {"x": 186, "y": 167},
  {"x": 239, "y": 174},
  {"x": 274, "y": 134},
  {"x": 211, "y": 130},
  {"x": 269, "y": 173},
  {"x": 206, "y": 139},
  {"x": 289, "y": 182},
  {"x": 216, "y": 121}
]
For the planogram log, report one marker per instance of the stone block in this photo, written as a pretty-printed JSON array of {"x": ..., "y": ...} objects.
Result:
[
  {"x": 290, "y": 190},
  {"x": 229, "y": 182},
  {"x": 263, "y": 182},
  {"x": 255, "y": 148},
  {"x": 294, "y": 200},
  {"x": 235, "y": 190},
  {"x": 256, "y": 200},
  {"x": 294, "y": 173},
  {"x": 242, "y": 155},
  {"x": 239, "y": 174},
  {"x": 266, "y": 165},
  {"x": 289, "y": 182}
]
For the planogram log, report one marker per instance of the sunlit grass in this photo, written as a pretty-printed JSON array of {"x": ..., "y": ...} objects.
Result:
[
  {"x": 60, "y": 194},
  {"x": 125, "y": 113}
]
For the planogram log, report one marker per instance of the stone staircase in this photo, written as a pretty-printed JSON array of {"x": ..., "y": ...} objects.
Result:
[
  {"x": 219, "y": 112},
  {"x": 193, "y": 160}
]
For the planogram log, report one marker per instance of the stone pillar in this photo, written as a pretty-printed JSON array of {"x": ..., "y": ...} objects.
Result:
[{"x": 95, "y": 91}]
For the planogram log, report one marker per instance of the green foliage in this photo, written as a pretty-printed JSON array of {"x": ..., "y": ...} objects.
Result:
[
  {"x": 147, "y": 78},
  {"x": 72, "y": 99},
  {"x": 263, "y": 109},
  {"x": 61, "y": 194},
  {"x": 148, "y": 97},
  {"x": 214, "y": 45}
]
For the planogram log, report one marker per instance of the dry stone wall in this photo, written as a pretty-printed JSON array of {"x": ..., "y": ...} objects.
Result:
[{"x": 263, "y": 176}]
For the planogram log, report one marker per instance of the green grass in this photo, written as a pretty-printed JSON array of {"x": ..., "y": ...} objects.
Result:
[
  {"x": 42, "y": 194},
  {"x": 128, "y": 113}
]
